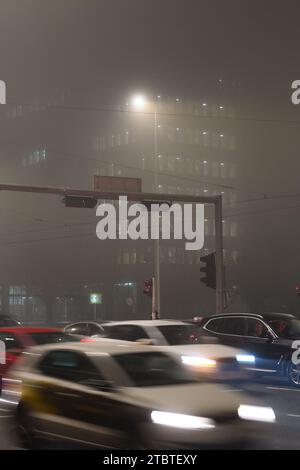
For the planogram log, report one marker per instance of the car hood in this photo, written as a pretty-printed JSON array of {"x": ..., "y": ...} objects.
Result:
[
  {"x": 212, "y": 351},
  {"x": 194, "y": 399}
]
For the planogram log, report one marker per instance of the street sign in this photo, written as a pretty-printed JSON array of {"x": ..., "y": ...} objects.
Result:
[
  {"x": 117, "y": 183},
  {"x": 96, "y": 298}
]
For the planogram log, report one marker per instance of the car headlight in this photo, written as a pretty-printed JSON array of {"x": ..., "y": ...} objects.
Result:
[
  {"x": 198, "y": 361},
  {"x": 177, "y": 420},
  {"x": 245, "y": 358},
  {"x": 257, "y": 413}
]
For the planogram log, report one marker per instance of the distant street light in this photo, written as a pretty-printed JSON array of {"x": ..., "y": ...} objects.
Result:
[{"x": 138, "y": 102}]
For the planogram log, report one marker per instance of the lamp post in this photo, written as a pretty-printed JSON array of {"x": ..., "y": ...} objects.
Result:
[{"x": 139, "y": 103}]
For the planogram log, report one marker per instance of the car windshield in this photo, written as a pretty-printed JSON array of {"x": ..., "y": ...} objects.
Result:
[
  {"x": 153, "y": 369},
  {"x": 52, "y": 337},
  {"x": 180, "y": 334},
  {"x": 289, "y": 329}
]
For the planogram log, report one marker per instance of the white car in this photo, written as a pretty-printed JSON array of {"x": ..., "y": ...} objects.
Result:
[
  {"x": 115, "y": 395},
  {"x": 201, "y": 353}
]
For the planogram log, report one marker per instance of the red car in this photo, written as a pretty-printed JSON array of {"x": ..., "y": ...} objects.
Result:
[{"x": 17, "y": 339}]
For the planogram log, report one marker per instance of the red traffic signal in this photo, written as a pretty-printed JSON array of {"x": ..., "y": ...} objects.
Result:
[{"x": 148, "y": 287}]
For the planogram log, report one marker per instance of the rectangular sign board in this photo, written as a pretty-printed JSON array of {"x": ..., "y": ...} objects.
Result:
[
  {"x": 117, "y": 183},
  {"x": 96, "y": 298}
]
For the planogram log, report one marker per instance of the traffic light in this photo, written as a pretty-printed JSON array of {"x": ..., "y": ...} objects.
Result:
[
  {"x": 80, "y": 202},
  {"x": 209, "y": 270},
  {"x": 148, "y": 287}
]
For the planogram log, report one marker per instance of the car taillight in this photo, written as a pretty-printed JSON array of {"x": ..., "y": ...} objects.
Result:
[{"x": 193, "y": 338}]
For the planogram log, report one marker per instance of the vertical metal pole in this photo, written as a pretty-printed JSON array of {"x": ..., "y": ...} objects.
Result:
[
  {"x": 156, "y": 283},
  {"x": 220, "y": 288},
  {"x": 153, "y": 306}
]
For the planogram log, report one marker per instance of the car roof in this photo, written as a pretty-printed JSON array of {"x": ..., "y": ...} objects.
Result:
[
  {"x": 28, "y": 330},
  {"x": 80, "y": 322},
  {"x": 147, "y": 322},
  {"x": 266, "y": 315},
  {"x": 105, "y": 346}
]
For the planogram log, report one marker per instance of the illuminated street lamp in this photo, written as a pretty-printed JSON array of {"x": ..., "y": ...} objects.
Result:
[{"x": 139, "y": 102}]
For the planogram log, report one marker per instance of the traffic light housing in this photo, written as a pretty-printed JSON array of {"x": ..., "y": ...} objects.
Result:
[
  {"x": 81, "y": 202},
  {"x": 209, "y": 270},
  {"x": 148, "y": 285}
]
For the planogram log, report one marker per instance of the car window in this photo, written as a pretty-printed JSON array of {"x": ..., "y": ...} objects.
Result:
[
  {"x": 228, "y": 326},
  {"x": 214, "y": 325},
  {"x": 149, "y": 369},
  {"x": 256, "y": 328},
  {"x": 179, "y": 334},
  {"x": 286, "y": 328},
  {"x": 10, "y": 340},
  {"x": 234, "y": 326},
  {"x": 78, "y": 329},
  {"x": 68, "y": 365},
  {"x": 94, "y": 329},
  {"x": 126, "y": 332}
]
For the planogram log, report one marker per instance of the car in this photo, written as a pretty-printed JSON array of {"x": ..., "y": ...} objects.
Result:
[
  {"x": 6, "y": 320},
  {"x": 217, "y": 362},
  {"x": 18, "y": 339},
  {"x": 117, "y": 395},
  {"x": 267, "y": 336},
  {"x": 85, "y": 328}
]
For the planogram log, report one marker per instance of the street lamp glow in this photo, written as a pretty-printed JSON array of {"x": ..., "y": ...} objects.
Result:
[{"x": 138, "y": 102}]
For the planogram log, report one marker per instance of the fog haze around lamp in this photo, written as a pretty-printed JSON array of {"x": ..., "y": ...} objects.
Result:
[{"x": 138, "y": 102}]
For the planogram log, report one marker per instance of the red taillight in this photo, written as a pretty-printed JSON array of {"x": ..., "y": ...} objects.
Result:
[
  {"x": 87, "y": 340},
  {"x": 193, "y": 338}
]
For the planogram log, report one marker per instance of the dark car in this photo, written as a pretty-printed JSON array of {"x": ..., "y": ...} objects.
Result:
[
  {"x": 268, "y": 336},
  {"x": 85, "y": 328}
]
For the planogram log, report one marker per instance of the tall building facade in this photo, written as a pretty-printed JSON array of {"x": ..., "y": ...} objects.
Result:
[{"x": 53, "y": 264}]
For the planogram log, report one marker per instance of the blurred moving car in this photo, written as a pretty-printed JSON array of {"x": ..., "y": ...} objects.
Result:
[
  {"x": 159, "y": 332},
  {"x": 85, "y": 328},
  {"x": 18, "y": 339},
  {"x": 217, "y": 362},
  {"x": 123, "y": 397},
  {"x": 6, "y": 320},
  {"x": 267, "y": 336}
]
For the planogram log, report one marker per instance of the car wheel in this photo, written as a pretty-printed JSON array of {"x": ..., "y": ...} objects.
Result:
[
  {"x": 293, "y": 374},
  {"x": 24, "y": 429}
]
